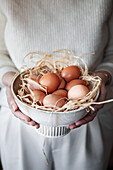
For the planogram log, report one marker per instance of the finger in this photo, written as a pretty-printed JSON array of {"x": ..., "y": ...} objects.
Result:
[
  {"x": 25, "y": 119},
  {"x": 17, "y": 113},
  {"x": 37, "y": 126},
  {"x": 14, "y": 108},
  {"x": 83, "y": 121},
  {"x": 32, "y": 123},
  {"x": 91, "y": 116},
  {"x": 7, "y": 78},
  {"x": 12, "y": 104},
  {"x": 22, "y": 116},
  {"x": 101, "y": 98},
  {"x": 96, "y": 108},
  {"x": 72, "y": 126},
  {"x": 86, "y": 119},
  {"x": 102, "y": 95}
]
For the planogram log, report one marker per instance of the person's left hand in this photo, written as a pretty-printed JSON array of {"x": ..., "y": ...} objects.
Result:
[{"x": 106, "y": 78}]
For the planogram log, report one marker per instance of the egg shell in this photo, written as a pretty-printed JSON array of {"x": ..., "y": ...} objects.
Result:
[
  {"x": 73, "y": 83},
  {"x": 32, "y": 81},
  {"x": 70, "y": 73},
  {"x": 77, "y": 92},
  {"x": 51, "y": 81},
  {"x": 60, "y": 92},
  {"x": 53, "y": 100},
  {"x": 62, "y": 83},
  {"x": 39, "y": 95}
]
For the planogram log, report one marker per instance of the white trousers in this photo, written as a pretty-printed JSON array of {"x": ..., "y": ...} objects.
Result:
[{"x": 85, "y": 148}]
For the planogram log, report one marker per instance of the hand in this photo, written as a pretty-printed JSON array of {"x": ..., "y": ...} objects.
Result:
[
  {"x": 12, "y": 104},
  {"x": 106, "y": 78}
]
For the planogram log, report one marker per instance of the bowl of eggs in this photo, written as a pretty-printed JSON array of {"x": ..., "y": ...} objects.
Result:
[{"x": 54, "y": 97}]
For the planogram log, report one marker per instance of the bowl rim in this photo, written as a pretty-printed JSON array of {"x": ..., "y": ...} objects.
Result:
[{"x": 55, "y": 112}]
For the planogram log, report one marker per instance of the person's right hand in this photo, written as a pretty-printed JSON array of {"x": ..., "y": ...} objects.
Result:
[{"x": 12, "y": 104}]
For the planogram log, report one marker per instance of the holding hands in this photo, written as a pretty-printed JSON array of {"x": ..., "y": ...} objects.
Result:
[
  {"x": 12, "y": 104},
  {"x": 106, "y": 79}
]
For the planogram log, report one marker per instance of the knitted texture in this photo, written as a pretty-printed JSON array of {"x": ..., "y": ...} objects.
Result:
[{"x": 80, "y": 26}]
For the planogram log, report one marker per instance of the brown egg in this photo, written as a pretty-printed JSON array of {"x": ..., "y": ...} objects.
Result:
[
  {"x": 70, "y": 73},
  {"x": 50, "y": 80},
  {"x": 77, "y": 92},
  {"x": 33, "y": 81},
  {"x": 53, "y": 100},
  {"x": 62, "y": 83},
  {"x": 39, "y": 96},
  {"x": 74, "y": 82},
  {"x": 60, "y": 92}
]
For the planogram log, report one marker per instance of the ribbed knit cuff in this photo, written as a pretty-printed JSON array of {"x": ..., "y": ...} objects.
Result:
[{"x": 4, "y": 70}]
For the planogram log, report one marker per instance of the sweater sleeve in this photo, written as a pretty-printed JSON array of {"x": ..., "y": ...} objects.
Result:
[
  {"x": 6, "y": 63},
  {"x": 107, "y": 63}
]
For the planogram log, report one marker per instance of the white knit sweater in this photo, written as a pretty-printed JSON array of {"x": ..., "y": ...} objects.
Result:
[{"x": 82, "y": 26}]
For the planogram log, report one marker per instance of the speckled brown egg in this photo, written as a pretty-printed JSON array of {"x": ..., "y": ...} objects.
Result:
[
  {"x": 70, "y": 73},
  {"x": 51, "y": 81},
  {"x": 73, "y": 83},
  {"x": 77, "y": 92},
  {"x": 60, "y": 92},
  {"x": 53, "y": 100}
]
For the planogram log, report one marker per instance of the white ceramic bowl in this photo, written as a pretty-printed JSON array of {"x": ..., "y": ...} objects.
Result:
[{"x": 52, "y": 124}]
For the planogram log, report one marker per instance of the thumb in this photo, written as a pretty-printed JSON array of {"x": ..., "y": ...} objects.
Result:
[
  {"x": 12, "y": 104},
  {"x": 102, "y": 95},
  {"x": 7, "y": 78}
]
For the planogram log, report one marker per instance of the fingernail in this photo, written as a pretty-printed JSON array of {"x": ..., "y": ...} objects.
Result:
[
  {"x": 78, "y": 124},
  {"x": 72, "y": 127},
  {"x": 25, "y": 121},
  {"x": 14, "y": 107},
  {"x": 37, "y": 126}
]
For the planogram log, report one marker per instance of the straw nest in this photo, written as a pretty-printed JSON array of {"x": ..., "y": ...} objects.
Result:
[{"x": 55, "y": 62}]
